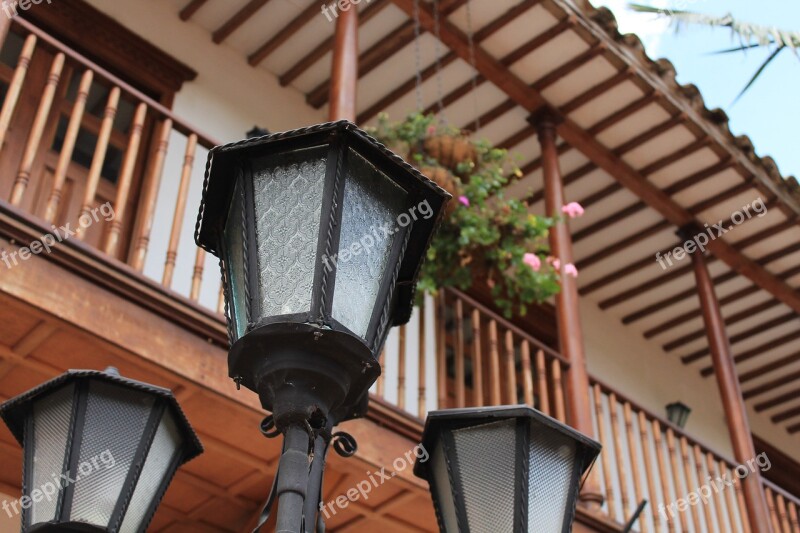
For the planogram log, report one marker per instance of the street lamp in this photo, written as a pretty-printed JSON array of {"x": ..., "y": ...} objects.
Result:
[
  {"x": 504, "y": 469},
  {"x": 320, "y": 232},
  {"x": 678, "y": 413},
  {"x": 99, "y": 451}
]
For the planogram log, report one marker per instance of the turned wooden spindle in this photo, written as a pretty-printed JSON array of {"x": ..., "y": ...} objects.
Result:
[
  {"x": 461, "y": 395},
  {"x": 608, "y": 472},
  {"x": 421, "y": 364},
  {"x": 180, "y": 211},
  {"x": 511, "y": 369},
  {"x": 441, "y": 350},
  {"x": 477, "y": 360},
  {"x": 527, "y": 372},
  {"x": 197, "y": 274},
  {"x": 401, "y": 367},
  {"x": 15, "y": 87},
  {"x": 541, "y": 377},
  {"x": 494, "y": 366}
]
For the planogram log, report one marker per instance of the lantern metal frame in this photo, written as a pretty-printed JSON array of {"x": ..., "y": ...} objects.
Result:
[
  {"x": 440, "y": 425},
  {"x": 342, "y": 358},
  {"x": 678, "y": 413},
  {"x": 17, "y": 413}
]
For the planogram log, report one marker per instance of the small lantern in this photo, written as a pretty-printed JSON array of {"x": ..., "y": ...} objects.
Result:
[
  {"x": 678, "y": 413},
  {"x": 507, "y": 469},
  {"x": 99, "y": 451},
  {"x": 320, "y": 233}
]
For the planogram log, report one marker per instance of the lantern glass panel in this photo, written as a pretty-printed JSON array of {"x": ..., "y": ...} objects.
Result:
[
  {"x": 486, "y": 458},
  {"x": 371, "y": 201},
  {"x": 51, "y": 423},
  {"x": 115, "y": 422},
  {"x": 288, "y": 205},
  {"x": 443, "y": 488},
  {"x": 160, "y": 460},
  {"x": 550, "y": 478},
  {"x": 234, "y": 244}
]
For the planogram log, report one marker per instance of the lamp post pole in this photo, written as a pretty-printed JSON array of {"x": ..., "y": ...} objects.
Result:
[{"x": 344, "y": 72}]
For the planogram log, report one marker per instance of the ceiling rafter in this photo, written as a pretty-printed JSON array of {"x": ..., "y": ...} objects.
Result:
[
  {"x": 236, "y": 21},
  {"x": 286, "y": 33}
]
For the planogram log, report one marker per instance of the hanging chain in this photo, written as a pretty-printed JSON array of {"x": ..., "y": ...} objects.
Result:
[
  {"x": 417, "y": 58},
  {"x": 472, "y": 62},
  {"x": 437, "y": 52}
]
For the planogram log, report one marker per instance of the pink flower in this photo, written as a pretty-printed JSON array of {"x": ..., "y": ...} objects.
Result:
[
  {"x": 572, "y": 209},
  {"x": 570, "y": 270},
  {"x": 555, "y": 262},
  {"x": 533, "y": 261},
  {"x": 464, "y": 200},
  {"x": 431, "y": 131}
]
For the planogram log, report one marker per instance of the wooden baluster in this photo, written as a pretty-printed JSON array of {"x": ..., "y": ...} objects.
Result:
[
  {"x": 379, "y": 384},
  {"x": 35, "y": 135},
  {"x": 601, "y": 434},
  {"x": 495, "y": 397},
  {"x": 15, "y": 86},
  {"x": 781, "y": 503},
  {"x": 221, "y": 300},
  {"x": 461, "y": 380},
  {"x": 701, "y": 479},
  {"x": 773, "y": 513},
  {"x": 124, "y": 182},
  {"x": 96, "y": 168},
  {"x": 511, "y": 369},
  {"x": 541, "y": 380},
  {"x": 149, "y": 194},
  {"x": 793, "y": 517},
  {"x": 477, "y": 360},
  {"x": 421, "y": 409},
  {"x": 648, "y": 469},
  {"x": 441, "y": 349},
  {"x": 180, "y": 211},
  {"x": 637, "y": 495},
  {"x": 713, "y": 474},
  {"x": 690, "y": 485},
  {"x": 68, "y": 148},
  {"x": 558, "y": 390},
  {"x": 197, "y": 274},
  {"x": 616, "y": 433},
  {"x": 401, "y": 370},
  {"x": 742, "y": 506},
  {"x": 662, "y": 472},
  {"x": 676, "y": 477},
  {"x": 730, "y": 497},
  {"x": 527, "y": 372}
]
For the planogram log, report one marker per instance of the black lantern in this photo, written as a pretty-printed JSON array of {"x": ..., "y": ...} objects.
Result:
[
  {"x": 320, "y": 232},
  {"x": 99, "y": 451},
  {"x": 508, "y": 469},
  {"x": 678, "y": 413}
]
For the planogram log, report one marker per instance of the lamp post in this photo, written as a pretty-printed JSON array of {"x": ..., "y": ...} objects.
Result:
[
  {"x": 504, "y": 469},
  {"x": 320, "y": 233},
  {"x": 99, "y": 451}
]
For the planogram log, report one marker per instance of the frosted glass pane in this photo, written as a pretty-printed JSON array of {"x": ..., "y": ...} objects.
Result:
[
  {"x": 487, "y": 464},
  {"x": 51, "y": 422},
  {"x": 372, "y": 201},
  {"x": 444, "y": 491},
  {"x": 166, "y": 444},
  {"x": 234, "y": 241},
  {"x": 115, "y": 421},
  {"x": 288, "y": 200},
  {"x": 552, "y": 460}
]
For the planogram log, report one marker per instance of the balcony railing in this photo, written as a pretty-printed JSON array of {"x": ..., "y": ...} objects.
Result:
[{"x": 93, "y": 138}]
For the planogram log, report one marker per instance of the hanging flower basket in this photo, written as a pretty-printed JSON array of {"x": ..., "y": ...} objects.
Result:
[{"x": 485, "y": 238}]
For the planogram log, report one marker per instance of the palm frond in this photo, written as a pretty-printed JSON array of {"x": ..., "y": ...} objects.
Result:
[
  {"x": 772, "y": 56},
  {"x": 735, "y": 49}
]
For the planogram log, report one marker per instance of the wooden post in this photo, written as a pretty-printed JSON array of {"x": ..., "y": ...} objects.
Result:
[
  {"x": 729, "y": 388},
  {"x": 570, "y": 334},
  {"x": 5, "y": 24},
  {"x": 344, "y": 74}
]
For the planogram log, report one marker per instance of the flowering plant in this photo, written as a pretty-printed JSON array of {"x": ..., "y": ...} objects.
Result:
[{"x": 485, "y": 235}]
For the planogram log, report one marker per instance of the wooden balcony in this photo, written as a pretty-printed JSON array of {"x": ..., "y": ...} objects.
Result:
[{"x": 75, "y": 137}]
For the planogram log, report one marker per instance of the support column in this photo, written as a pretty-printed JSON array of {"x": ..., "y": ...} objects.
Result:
[
  {"x": 5, "y": 24},
  {"x": 344, "y": 74},
  {"x": 729, "y": 388},
  {"x": 570, "y": 333}
]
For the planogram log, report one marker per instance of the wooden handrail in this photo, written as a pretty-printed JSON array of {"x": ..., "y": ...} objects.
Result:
[{"x": 179, "y": 124}]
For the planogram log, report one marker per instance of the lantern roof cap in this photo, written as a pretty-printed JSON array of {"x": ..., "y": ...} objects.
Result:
[
  {"x": 15, "y": 411},
  {"x": 470, "y": 417},
  {"x": 219, "y": 181}
]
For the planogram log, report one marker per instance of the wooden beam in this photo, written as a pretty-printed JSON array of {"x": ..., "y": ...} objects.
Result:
[
  {"x": 191, "y": 8},
  {"x": 595, "y": 91},
  {"x": 777, "y": 400},
  {"x": 778, "y": 364},
  {"x": 770, "y": 386},
  {"x": 327, "y": 45},
  {"x": 730, "y": 391},
  {"x": 233, "y": 24},
  {"x": 286, "y": 33},
  {"x": 344, "y": 70},
  {"x": 759, "y": 350}
]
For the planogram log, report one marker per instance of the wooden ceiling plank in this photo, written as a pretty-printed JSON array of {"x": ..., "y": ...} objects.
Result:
[
  {"x": 625, "y": 112},
  {"x": 286, "y": 33},
  {"x": 596, "y": 91},
  {"x": 190, "y": 9},
  {"x": 327, "y": 45},
  {"x": 34, "y": 338},
  {"x": 236, "y": 21}
]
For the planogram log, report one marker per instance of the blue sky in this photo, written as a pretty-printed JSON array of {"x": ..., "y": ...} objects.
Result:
[{"x": 769, "y": 113}]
